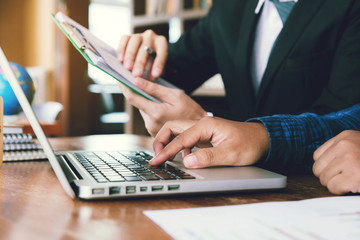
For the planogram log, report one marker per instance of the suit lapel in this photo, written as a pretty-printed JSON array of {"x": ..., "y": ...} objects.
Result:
[
  {"x": 297, "y": 21},
  {"x": 243, "y": 53},
  {"x": 248, "y": 23}
]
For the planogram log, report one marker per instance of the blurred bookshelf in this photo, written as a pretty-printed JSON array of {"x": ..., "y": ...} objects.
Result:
[
  {"x": 169, "y": 18},
  {"x": 175, "y": 16}
]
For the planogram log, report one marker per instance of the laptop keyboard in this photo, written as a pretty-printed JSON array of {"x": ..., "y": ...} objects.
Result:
[{"x": 127, "y": 166}]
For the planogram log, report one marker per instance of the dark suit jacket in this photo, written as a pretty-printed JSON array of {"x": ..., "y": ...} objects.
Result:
[{"x": 314, "y": 65}]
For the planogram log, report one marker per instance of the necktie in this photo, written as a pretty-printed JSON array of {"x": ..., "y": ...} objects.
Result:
[{"x": 284, "y": 8}]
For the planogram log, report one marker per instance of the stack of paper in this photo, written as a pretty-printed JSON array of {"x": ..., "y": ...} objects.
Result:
[{"x": 320, "y": 218}]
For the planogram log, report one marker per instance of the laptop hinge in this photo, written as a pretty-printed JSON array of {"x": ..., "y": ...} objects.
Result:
[{"x": 70, "y": 171}]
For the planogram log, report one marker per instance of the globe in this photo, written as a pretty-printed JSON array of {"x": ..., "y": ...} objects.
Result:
[{"x": 11, "y": 104}]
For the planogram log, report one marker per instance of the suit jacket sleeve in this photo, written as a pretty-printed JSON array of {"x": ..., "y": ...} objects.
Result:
[{"x": 343, "y": 88}]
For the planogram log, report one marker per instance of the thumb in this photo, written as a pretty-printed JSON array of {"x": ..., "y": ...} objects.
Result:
[
  {"x": 154, "y": 89},
  {"x": 205, "y": 157}
]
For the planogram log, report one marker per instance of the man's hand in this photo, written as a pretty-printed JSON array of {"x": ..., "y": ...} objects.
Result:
[
  {"x": 175, "y": 105},
  {"x": 132, "y": 52},
  {"x": 221, "y": 142},
  {"x": 337, "y": 163}
]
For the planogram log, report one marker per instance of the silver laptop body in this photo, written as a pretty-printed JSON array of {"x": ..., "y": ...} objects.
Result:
[{"x": 82, "y": 175}]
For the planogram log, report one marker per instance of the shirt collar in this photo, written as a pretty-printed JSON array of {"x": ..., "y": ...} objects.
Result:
[{"x": 261, "y": 3}]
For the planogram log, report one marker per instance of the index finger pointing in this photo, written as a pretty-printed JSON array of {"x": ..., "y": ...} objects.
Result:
[
  {"x": 169, "y": 131},
  {"x": 188, "y": 139},
  {"x": 170, "y": 150}
]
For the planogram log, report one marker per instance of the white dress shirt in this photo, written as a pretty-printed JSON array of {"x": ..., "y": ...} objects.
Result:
[{"x": 268, "y": 28}]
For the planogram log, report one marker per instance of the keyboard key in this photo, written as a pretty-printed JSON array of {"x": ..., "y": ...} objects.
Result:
[
  {"x": 132, "y": 178},
  {"x": 101, "y": 180},
  {"x": 166, "y": 176},
  {"x": 149, "y": 176},
  {"x": 116, "y": 179}
]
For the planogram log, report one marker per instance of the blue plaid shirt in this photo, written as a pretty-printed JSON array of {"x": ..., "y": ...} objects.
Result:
[{"x": 294, "y": 138}]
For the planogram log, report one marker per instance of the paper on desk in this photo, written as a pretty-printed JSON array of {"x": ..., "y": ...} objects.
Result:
[{"x": 319, "y": 218}]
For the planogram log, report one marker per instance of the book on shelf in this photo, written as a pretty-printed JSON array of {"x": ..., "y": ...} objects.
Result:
[
  {"x": 12, "y": 128},
  {"x": 196, "y": 4},
  {"x": 21, "y": 147},
  {"x": 167, "y": 7}
]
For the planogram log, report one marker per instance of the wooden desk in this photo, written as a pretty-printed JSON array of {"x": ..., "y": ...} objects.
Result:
[{"x": 34, "y": 206}]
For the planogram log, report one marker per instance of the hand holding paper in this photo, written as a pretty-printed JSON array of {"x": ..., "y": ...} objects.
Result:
[
  {"x": 101, "y": 55},
  {"x": 144, "y": 53},
  {"x": 175, "y": 105}
]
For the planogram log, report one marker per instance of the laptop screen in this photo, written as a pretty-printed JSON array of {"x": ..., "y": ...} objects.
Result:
[{"x": 40, "y": 135}]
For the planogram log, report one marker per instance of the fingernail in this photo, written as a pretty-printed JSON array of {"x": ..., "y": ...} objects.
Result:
[
  {"x": 128, "y": 64},
  {"x": 191, "y": 161},
  {"x": 156, "y": 72},
  {"x": 121, "y": 57},
  {"x": 137, "y": 72}
]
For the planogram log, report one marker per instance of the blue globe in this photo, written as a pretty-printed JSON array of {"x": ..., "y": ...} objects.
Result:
[{"x": 11, "y": 104}]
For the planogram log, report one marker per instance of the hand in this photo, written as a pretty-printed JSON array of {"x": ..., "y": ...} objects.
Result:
[
  {"x": 175, "y": 105},
  {"x": 132, "y": 53},
  {"x": 337, "y": 163},
  {"x": 230, "y": 143}
]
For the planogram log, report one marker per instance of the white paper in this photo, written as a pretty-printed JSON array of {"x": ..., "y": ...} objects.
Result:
[{"x": 320, "y": 218}]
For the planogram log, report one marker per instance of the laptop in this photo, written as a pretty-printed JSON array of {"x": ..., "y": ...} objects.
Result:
[{"x": 127, "y": 174}]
